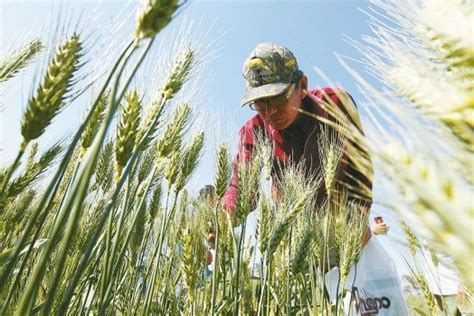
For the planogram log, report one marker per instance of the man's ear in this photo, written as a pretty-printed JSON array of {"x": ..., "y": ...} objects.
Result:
[{"x": 304, "y": 86}]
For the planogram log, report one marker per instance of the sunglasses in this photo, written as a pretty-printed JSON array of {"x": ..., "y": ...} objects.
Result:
[{"x": 262, "y": 105}]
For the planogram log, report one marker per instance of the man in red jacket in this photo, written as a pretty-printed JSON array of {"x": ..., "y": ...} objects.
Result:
[{"x": 277, "y": 90}]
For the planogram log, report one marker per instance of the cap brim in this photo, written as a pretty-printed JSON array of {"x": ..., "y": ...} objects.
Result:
[{"x": 265, "y": 91}]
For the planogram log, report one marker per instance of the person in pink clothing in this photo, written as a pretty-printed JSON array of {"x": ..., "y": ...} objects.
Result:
[{"x": 277, "y": 90}]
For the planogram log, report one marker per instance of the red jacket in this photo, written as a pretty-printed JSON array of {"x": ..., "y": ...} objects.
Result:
[{"x": 295, "y": 142}]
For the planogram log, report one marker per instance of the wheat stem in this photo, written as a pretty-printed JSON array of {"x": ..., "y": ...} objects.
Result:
[
  {"x": 95, "y": 236},
  {"x": 55, "y": 180},
  {"x": 237, "y": 289},
  {"x": 12, "y": 169}
]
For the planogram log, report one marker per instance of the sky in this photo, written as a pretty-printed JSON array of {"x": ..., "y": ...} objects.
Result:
[{"x": 314, "y": 30}]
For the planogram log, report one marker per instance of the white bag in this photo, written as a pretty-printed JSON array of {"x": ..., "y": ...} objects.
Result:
[{"x": 373, "y": 283}]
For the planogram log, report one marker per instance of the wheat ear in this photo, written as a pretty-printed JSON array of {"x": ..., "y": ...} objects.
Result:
[
  {"x": 172, "y": 137},
  {"x": 92, "y": 127},
  {"x": 180, "y": 72},
  {"x": 283, "y": 225},
  {"x": 427, "y": 295},
  {"x": 154, "y": 16},
  {"x": 127, "y": 130},
  {"x": 413, "y": 241},
  {"x": 11, "y": 66},
  {"x": 50, "y": 95},
  {"x": 223, "y": 171},
  {"x": 34, "y": 171},
  {"x": 189, "y": 161}
]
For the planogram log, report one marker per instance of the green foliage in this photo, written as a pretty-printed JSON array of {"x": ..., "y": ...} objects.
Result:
[{"x": 85, "y": 244}]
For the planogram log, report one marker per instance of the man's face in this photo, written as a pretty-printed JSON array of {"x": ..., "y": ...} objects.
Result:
[{"x": 282, "y": 110}]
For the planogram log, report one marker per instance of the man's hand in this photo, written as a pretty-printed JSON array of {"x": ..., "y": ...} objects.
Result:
[
  {"x": 211, "y": 240},
  {"x": 211, "y": 235},
  {"x": 380, "y": 229},
  {"x": 208, "y": 257}
]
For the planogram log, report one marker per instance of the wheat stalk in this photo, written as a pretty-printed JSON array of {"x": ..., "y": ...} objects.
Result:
[
  {"x": 16, "y": 211},
  {"x": 247, "y": 186},
  {"x": 350, "y": 248},
  {"x": 93, "y": 125},
  {"x": 264, "y": 223},
  {"x": 190, "y": 158},
  {"x": 172, "y": 137},
  {"x": 138, "y": 234},
  {"x": 222, "y": 171},
  {"x": 150, "y": 123},
  {"x": 104, "y": 170},
  {"x": 426, "y": 293},
  {"x": 49, "y": 99},
  {"x": 154, "y": 16},
  {"x": 302, "y": 250},
  {"x": 180, "y": 72},
  {"x": 50, "y": 95},
  {"x": 283, "y": 224},
  {"x": 32, "y": 155},
  {"x": 330, "y": 151},
  {"x": 127, "y": 130},
  {"x": 154, "y": 205},
  {"x": 172, "y": 169},
  {"x": 18, "y": 60},
  {"x": 413, "y": 241},
  {"x": 189, "y": 266},
  {"x": 34, "y": 171}
]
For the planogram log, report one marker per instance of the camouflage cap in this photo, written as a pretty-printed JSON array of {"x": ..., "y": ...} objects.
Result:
[{"x": 268, "y": 71}]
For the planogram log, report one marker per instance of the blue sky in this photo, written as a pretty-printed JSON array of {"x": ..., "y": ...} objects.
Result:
[{"x": 313, "y": 30}]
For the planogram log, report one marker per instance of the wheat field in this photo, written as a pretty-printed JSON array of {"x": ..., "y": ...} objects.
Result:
[{"x": 102, "y": 222}]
